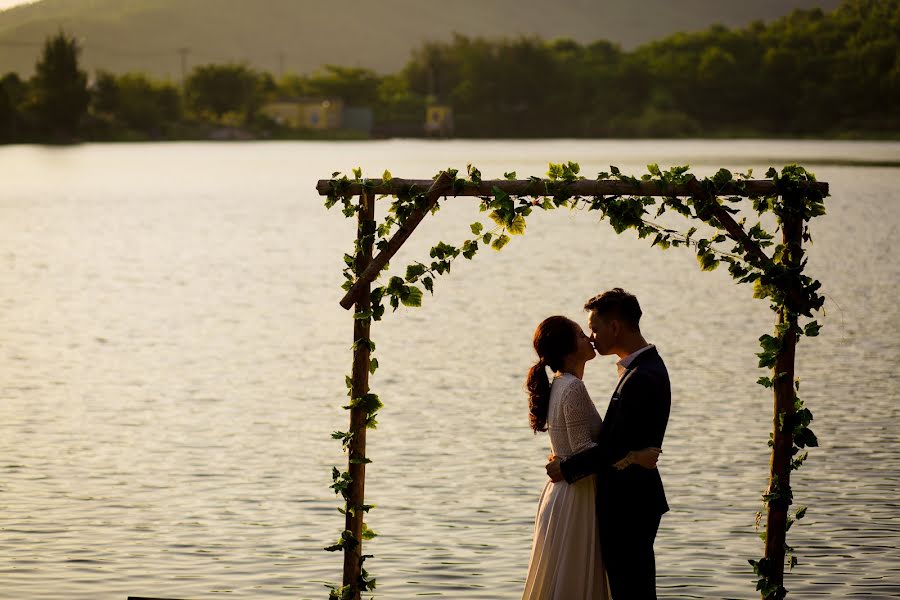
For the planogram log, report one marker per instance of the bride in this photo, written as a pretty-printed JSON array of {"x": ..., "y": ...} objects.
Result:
[{"x": 565, "y": 556}]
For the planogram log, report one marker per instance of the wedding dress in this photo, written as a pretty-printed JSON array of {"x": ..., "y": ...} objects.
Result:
[{"x": 565, "y": 555}]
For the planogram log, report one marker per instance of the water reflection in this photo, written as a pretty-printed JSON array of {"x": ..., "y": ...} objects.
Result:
[{"x": 174, "y": 362}]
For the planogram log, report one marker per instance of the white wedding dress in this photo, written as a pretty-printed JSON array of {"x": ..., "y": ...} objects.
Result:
[{"x": 565, "y": 555}]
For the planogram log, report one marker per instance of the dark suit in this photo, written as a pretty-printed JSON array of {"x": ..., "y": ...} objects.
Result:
[{"x": 630, "y": 502}]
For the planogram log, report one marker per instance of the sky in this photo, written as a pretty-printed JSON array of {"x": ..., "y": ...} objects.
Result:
[{"x": 4, "y": 4}]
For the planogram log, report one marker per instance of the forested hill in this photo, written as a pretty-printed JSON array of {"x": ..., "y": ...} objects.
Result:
[{"x": 159, "y": 36}]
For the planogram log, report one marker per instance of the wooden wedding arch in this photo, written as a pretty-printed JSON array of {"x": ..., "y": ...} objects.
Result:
[{"x": 793, "y": 195}]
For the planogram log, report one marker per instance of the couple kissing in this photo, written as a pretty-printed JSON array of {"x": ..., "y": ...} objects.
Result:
[{"x": 598, "y": 515}]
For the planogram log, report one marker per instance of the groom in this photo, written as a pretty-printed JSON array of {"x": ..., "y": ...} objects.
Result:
[{"x": 630, "y": 501}]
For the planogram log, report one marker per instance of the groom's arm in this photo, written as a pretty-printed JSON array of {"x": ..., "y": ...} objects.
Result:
[
  {"x": 645, "y": 413},
  {"x": 587, "y": 462},
  {"x": 594, "y": 459}
]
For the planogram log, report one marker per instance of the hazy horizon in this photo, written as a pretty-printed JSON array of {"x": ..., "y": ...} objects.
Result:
[{"x": 4, "y": 4}]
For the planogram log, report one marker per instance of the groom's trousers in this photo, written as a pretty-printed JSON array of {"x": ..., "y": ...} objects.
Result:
[{"x": 627, "y": 546}]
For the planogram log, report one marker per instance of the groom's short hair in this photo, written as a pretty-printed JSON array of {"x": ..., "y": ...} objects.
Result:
[{"x": 617, "y": 304}]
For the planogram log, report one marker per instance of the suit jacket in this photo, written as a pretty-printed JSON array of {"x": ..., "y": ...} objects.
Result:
[{"x": 636, "y": 418}]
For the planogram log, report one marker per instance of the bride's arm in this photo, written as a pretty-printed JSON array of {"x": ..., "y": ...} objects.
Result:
[
  {"x": 589, "y": 454},
  {"x": 580, "y": 414}
]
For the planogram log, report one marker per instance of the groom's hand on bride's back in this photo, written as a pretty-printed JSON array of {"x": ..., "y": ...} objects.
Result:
[
  {"x": 554, "y": 469},
  {"x": 645, "y": 458}
]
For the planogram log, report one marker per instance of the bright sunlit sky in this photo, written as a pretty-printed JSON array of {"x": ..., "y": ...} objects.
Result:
[{"x": 4, "y": 4}]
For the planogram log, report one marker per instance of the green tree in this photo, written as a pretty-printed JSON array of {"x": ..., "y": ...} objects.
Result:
[
  {"x": 59, "y": 88},
  {"x": 358, "y": 87},
  {"x": 11, "y": 92},
  {"x": 16, "y": 123},
  {"x": 7, "y": 115},
  {"x": 216, "y": 90},
  {"x": 398, "y": 103},
  {"x": 135, "y": 102},
  {"x": 105, "y": 94}
]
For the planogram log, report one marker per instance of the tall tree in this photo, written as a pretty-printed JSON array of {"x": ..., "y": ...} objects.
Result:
[
  {"x": 221, "y": 89},
  {"x": 60, "y": 94},
  {"x": 7, "y": 112},
  {"x": 137, "y": 103}
]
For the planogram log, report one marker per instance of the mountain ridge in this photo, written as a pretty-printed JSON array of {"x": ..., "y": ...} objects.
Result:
[{"x": 155, "y": 36}]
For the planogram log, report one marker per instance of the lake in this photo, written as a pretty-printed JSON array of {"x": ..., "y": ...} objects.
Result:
[{"x": 173, "y": 361}]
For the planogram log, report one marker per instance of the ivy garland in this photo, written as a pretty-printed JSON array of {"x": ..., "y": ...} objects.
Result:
[{"x": 791, "y": 293}]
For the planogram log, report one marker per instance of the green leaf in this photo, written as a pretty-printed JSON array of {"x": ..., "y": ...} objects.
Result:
[
  {"x": 497, "y": 218},
  {"x": 476, "y": 228},
  {"x": 370, "y": 403},
  {"x": 778, "y": 253},
  {"x": 761, "y": 290},
  {"x": 517, "y": 227},
  {"x": 805, "y": 437},
  {"x": 812, "y": 329},
  {"x": 801, "y": 512},
  {"x": 722, "y": 176},
  {"x": 360, "y": 508},
  {"x": 413, "y": 272},
  {"x": 798, "y": 462},
  {"x": 412, "y": 297},
  {"x": 501, "y": 241},
  {"x": 367, "y": 534},
  {"x": 386, "y": 176},
  {"x": 373, "y": 365},
  {"x": 708, "y": 261},
  {"x": 357, "y": 172}
]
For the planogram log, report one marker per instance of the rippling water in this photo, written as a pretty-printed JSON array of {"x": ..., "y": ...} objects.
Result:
[{"x": 173, "y": 360}]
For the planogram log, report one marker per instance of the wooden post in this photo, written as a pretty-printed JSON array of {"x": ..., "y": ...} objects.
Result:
[
  {"x": 780, "y": 465},
  {"x": 360, "y": 387}
]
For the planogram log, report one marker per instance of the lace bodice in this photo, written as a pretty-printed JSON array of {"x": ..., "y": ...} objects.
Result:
[{"x": 572, "y": 419}]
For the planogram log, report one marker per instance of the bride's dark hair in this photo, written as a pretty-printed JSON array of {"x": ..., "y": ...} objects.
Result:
[{"x": 554, "y": 339}]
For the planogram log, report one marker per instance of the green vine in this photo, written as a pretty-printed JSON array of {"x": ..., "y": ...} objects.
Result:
[{"x": 777, "y": 276}]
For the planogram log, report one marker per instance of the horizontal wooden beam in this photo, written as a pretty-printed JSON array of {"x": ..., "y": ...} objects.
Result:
[{"x": 581, "y": 187}]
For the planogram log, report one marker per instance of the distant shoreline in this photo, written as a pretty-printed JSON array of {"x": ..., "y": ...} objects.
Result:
[{"x": 808, "y": 161}]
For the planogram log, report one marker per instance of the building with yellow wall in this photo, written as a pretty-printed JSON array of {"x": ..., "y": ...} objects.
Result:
[
  {"x": 439, "y": 120},
  {"x": 306, "y": 113}
]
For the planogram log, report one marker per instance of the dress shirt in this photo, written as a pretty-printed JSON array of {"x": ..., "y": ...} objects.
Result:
[{"x": 623, "y": 364}]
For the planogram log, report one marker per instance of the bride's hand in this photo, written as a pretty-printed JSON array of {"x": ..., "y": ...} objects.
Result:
[
  {"x": 645, "y": 458},
  {"x": 554, "y": 470}
]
